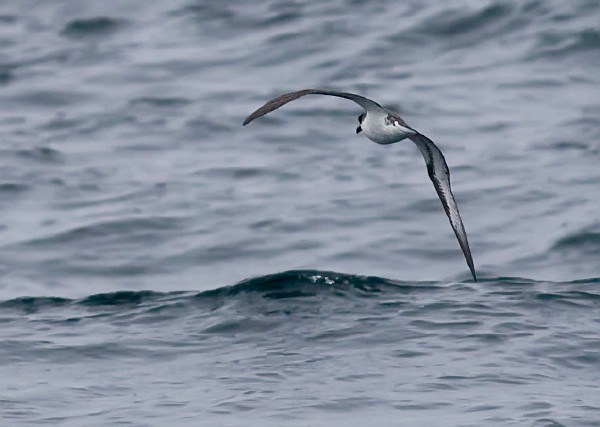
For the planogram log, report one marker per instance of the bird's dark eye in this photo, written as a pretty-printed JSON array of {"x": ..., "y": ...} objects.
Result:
[{"x": 361, "y": 118}]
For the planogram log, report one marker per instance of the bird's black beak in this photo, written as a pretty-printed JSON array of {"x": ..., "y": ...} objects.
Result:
[{"x": 358, "y": 129}]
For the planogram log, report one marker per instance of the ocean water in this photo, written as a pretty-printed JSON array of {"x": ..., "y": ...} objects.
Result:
[{"x": 161, "y": 265}]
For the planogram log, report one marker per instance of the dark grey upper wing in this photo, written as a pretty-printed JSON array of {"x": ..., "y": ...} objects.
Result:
[
  {"x": 440, "y": 176},
  {"x": 275, "y": 103}
]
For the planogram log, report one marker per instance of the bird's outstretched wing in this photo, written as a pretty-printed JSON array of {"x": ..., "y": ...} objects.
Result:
[
  {"x": 440, "y": 176},
  {"x": 275, "y": 103}
]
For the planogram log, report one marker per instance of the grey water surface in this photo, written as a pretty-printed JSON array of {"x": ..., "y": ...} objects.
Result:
[{"x": 162, "y": 265}]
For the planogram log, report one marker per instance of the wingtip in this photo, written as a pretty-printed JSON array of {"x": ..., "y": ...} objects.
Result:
[{"x": 470, "y": 263}]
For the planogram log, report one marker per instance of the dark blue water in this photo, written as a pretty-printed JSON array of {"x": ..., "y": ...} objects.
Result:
[{"x": 161, "y": 265}]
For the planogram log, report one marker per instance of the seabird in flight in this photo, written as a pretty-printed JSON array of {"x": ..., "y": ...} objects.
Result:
[{"x": 383, "y": 126}]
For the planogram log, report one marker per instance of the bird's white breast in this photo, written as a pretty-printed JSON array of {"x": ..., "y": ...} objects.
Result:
[{"x": 380, "y": 129}]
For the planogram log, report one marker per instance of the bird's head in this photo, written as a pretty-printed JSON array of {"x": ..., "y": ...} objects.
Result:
[{"x": 360, "y": 120}]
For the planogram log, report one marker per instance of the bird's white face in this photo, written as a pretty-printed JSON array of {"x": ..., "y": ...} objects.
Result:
[{"x": 383, "y": 128}]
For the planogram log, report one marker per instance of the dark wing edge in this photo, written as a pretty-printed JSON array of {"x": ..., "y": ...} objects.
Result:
[
  {"x": 438, "y": 171},
  {"x": 281, "y": 100}
]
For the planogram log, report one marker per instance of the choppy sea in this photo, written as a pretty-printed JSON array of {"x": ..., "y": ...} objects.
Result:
[{"x": 162, "y": 265}]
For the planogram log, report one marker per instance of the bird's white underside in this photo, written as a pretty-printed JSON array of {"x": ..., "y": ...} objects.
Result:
[{"x": 377, "y": 128}]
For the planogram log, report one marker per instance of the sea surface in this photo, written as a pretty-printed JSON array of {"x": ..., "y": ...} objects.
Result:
[{"x": 162, "y": 265}]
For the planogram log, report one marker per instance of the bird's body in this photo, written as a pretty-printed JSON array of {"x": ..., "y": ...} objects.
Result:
[{"x": 383, "y": 126}]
